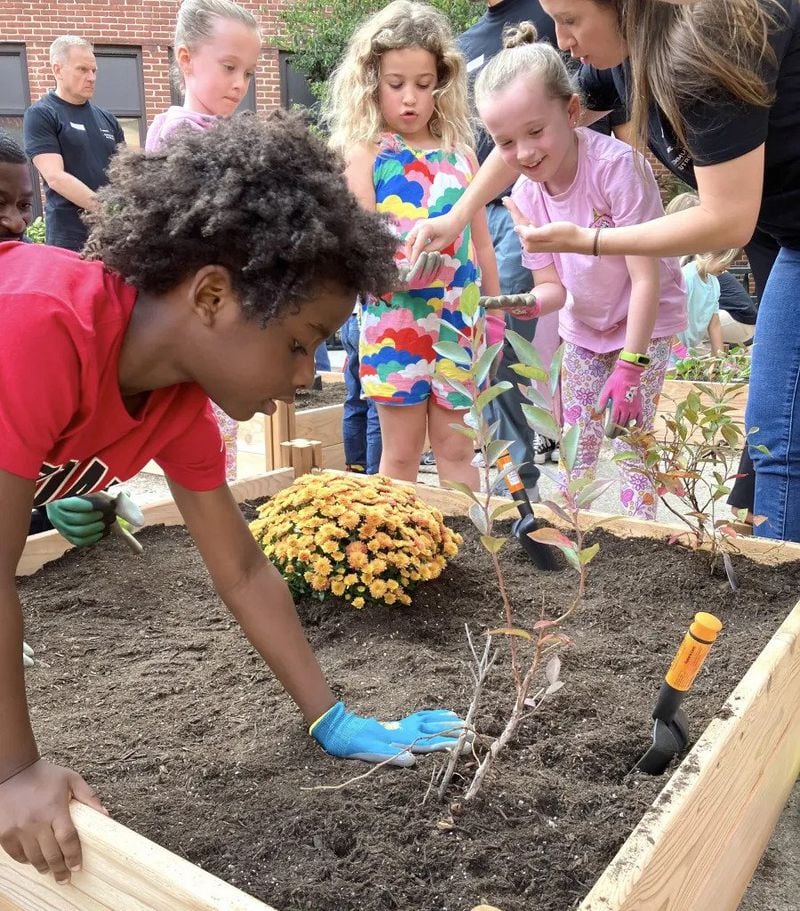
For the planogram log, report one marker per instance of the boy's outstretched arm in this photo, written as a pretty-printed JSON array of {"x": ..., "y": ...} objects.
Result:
[
  {"x": 258, "y": 597},
  {"x": 35, "y": 825},
  {"x": 255, "y": 593}
]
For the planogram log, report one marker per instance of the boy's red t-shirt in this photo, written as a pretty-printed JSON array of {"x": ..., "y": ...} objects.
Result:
[{"x": 62, "y": 419}]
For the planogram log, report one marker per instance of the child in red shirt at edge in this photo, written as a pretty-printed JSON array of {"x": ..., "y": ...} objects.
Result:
[{"x": 214, "y": 270}]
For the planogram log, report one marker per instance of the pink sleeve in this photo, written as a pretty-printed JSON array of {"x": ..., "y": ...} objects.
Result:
[
  {"x": 631, "y": 192},
  {"x": 40, "y": 370},
  {"x": 526, "y": 196},
  {"x": 196, "y": 460},
  {"x": 167, "y": 123}
]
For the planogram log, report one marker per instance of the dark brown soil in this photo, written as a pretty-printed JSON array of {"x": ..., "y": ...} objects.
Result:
[
  {"x": 145, "y": 684},
  {"x": 330, "y": 394}
]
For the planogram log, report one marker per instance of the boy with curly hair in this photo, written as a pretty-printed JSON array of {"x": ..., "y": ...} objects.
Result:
[{"x": 213, "y": 270}]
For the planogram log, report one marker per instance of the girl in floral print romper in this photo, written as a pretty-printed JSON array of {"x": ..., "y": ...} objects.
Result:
[
  {"x": 617, "y": 315},
  {"x": 398, "y": 114}
]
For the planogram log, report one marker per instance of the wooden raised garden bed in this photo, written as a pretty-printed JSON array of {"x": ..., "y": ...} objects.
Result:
[
  {"x": 261, "y": 439},
  {"x": 694, "y": 850}
]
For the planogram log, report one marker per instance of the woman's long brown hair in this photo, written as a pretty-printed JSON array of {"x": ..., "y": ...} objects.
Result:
[{"x": 681, "y": 53}]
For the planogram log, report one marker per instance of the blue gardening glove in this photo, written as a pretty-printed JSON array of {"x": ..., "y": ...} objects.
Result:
[
  {"x": 342, "y": 733},
  {"x": 77, "y": 520}
]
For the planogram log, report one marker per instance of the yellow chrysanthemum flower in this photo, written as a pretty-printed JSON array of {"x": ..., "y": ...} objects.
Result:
[
  {"x": 344, "y": 535},
  {"x": 319, "y": 583},
  {"x": 322, "y": 566},
  {"x": 377, "y": 566},
  {"x": 378, "y": 589},
  {"x": 338, "y": 587}
]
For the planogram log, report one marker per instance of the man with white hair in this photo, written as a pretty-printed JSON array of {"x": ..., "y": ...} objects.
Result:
[{"x": 70, "y": 141}]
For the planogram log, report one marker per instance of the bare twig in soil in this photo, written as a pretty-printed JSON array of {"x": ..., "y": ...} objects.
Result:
[
  {"x": 435, "y": 775},
  {"x": 483, "y": 666}
]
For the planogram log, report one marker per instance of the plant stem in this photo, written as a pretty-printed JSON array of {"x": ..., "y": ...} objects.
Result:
[{"x": 509, "y": 613}]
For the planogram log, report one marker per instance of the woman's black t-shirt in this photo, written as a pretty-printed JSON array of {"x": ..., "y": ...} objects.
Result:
[{"x": 721, "y": 129}]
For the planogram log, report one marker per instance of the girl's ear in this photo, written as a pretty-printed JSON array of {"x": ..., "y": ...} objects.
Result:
[
  {"x": 574, "y": 110},
  {"x": 183, "y": 57}
]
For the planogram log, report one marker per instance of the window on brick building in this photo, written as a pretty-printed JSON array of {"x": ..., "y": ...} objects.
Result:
[
  {"x": 15, "y": 97},
  {"x": 294, "y": 85},
  {"x": 120, "y": 89},
  {"x": 248, "y": 103}
]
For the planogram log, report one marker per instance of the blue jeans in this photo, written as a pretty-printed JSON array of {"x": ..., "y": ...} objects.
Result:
[
  {"x": 322, "y": 360},
  {"x": 514, "y": 279},
  {"x": 774, "y": 402},
  {"x": 361, "y": 429}
]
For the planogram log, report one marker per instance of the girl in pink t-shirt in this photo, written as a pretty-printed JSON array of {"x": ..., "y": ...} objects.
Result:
[
  {"x": 617, "y": 314},
  {"x": 217, "y": 44}
]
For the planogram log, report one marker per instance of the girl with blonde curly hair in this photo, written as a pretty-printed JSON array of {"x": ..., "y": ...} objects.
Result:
[{"x": 398, "y": 114}]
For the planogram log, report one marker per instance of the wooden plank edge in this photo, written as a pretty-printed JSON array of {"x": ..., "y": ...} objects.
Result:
[
  {"x": 320, "y": 409},
  {"x": 330, "y": 377},
  {"x": 122, "y": 871},
  {"x": 50, "y": 545},
  {"x": 323, "y": 424},
  {"x": 697, "y": 847}
]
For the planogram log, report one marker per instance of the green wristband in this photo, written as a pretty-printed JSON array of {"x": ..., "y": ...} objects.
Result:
[{"x": 630, "y": 357}]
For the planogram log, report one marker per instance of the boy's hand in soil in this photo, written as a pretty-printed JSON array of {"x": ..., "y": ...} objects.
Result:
[
  {"x": 349, "y": 736},
  {"x": 77, "y": 520},
  {"x": 35, "y": 825}
]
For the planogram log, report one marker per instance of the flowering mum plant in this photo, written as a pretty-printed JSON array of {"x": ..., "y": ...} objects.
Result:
[{"x": 366, "y": 539}]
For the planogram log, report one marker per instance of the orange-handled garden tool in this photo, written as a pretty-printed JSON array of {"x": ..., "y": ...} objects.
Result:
[
  {"x": 542, "y": 554},
  {"x": 671, "y": 727}
]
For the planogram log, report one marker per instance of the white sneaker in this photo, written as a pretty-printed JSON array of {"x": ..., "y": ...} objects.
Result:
[
  {"x": 555, "y": 455},
  {"x": 543, "y": 449}
]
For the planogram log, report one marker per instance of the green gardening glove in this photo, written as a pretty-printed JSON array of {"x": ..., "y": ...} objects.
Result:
[
  {"x": 85, "y": 520},
  {"x": 77, "y": 520}
]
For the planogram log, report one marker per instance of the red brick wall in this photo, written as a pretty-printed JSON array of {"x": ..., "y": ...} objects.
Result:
[{"x": 147, "y": 24}]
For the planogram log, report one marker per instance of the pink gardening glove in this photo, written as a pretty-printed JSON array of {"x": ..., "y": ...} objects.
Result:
[
  {"x": 622, "y": 392},
  {"x": 495, "y": 329}
]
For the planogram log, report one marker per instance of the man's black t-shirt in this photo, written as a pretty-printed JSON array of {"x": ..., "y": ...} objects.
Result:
[
  {"x": 85, "y": 136},
  {"x": 721, "y": 129}
]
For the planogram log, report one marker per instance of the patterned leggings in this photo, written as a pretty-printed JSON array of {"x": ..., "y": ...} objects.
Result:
[{"x": 583, "y": 375}]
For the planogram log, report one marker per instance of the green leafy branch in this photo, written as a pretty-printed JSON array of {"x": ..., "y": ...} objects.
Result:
[
  {"x": 545, "y": 639},
  {"x": 694, "y": 459}
]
